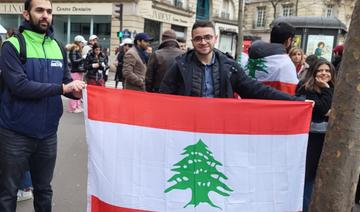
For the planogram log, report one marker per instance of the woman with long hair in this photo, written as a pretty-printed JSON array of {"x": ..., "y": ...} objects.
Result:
[
  {"x": 298, "y": 58},
  {"x": 317, "y": 85},
  {"x": 95, "y": 64},
  {"x": 77, "y": 69}
]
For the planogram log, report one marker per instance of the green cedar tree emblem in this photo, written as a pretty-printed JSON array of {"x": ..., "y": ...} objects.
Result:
[
  {"x": 256, "y": 65},
  {"x": 198, "y": 172}
]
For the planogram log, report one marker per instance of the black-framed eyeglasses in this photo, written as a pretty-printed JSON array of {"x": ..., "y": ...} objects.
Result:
[{"x": 207, "y": 38}]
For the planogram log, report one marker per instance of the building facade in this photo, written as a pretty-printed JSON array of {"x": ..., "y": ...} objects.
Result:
[
  {"x": 259, "y": 14},
  {"x": 89, "y": 17}
]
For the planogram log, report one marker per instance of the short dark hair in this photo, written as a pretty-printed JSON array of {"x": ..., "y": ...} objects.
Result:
[
  {"x": 282, "y": 31},
  {"x": 28, "y": 5},
  {"x": 96, "y": 45},
  {"x": 199, "y": 24}
]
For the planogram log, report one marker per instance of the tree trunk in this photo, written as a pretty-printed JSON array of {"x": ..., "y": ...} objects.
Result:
[{"x": 339, "y": 167}]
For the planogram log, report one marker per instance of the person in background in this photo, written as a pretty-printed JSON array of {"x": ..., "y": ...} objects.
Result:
[
  {"x": 119, "y": 61},
  {"x": 25, "y": 188},
  {"x": 317, "y": 85},
  {"x": 106, "y": 53},
  {"x": 270, "y": 62},
  {"x": 162, "y": 60},
  {"x": 95, "y": 65},
  {"x": 298, "y": 58},
  {"x": 135, "y": 61},
  {"x": 182, "y": 43},
  {"x": 337, "y": 56},
  {"x": 92, "y": 40},
  {"x": 149, "y": 51},
  {"x": 77, "y": 69}
]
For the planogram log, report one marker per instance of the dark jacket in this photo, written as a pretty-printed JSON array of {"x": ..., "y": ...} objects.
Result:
[
  {"x": 119, "y": 67},
  {"x": 76, "y": 61},
  {"x": 180, "y": 79},
  {"x": 160, "y": 62},
  {"x": 95, "y": 73},
  {"x": 322, "y": 101},
  {"x": 30, "y": 103}
]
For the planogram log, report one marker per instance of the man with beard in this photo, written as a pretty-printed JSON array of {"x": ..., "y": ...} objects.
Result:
[
  {"x": 31, "y": 106},
  {"x": 135, "y": 61},
  {"x": 270, "y": 62},
  {"x": 207, "y": 72}
]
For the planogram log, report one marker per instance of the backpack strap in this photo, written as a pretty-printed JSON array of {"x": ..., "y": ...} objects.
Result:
[
  {"x": 61, "y": 46},
  {"x": 22, "y": 44}
]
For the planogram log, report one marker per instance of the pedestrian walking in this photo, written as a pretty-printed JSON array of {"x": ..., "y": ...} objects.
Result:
[
  {"x": 207, "y": 72},
  {"x": 161, "y": 60},
  {"x": 135, "y": 61},
  {"x": 31, "y": 106}
]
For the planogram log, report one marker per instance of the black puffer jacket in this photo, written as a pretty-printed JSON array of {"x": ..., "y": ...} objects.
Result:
[
  {"x": 180, "y": 79},
  {"x": 322, "y": 101},
  {"x": 95, "y": 73},
  {"x": 76, "y": 61}
]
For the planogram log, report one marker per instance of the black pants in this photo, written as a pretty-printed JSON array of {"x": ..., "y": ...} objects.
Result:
[{"x": 20, "y": 153}]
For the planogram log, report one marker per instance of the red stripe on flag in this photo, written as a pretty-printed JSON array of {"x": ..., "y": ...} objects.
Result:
[
  {"x": 206, "y": 115},
  {"x": 99, "y": 206},
  {"x": 282, "y": 86}
]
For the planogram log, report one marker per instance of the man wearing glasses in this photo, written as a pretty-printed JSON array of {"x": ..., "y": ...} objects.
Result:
[{"x": 207, "y": 72}]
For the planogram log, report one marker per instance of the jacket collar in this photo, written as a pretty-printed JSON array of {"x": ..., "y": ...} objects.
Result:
[
  {"x": 27, "y": 29},
  {"x": 169, "y": 43}
]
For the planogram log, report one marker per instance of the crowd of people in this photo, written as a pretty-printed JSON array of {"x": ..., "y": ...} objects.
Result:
[{"x": 202, "y": 71}]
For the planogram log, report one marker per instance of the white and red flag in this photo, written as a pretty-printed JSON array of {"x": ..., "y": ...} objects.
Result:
[{"x": 153, "y": 152}]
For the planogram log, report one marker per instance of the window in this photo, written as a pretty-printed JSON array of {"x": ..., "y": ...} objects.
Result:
[
  {"x": 225, "y": 9},
  {"x": 178, "y": 3},
  {"x": 288, "y": 10},
  {"x": 260, "y": 20},
  {"x": 329, "y": 11},
  {"x": 153, "y": 29},
  {"x": 202, "y": 9}
]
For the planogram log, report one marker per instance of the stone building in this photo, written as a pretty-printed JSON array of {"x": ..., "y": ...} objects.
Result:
[
  {"x": 87, "y": 17},
  {"x": 259, "y": 14}
]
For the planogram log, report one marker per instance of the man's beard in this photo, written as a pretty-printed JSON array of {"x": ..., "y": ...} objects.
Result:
[{"x": 37, "y": 26}]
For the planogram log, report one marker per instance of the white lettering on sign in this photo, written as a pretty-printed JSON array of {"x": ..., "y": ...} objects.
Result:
[
  {"x": 168, "y": 17},
  {"x": 11, "y": 8}
]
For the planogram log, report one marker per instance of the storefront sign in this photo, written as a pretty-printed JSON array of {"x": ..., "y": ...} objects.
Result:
[
  {"x": 169, "y": 18},
  {"x": 11, "y": 8},
  {"x": 63, "y": 9}
]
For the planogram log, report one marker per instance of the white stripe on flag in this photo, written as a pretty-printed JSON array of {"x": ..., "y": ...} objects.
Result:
[{"x": 129, "y": 167}]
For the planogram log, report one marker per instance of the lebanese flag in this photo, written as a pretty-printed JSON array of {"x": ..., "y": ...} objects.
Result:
[
  {"x": 277, "y": 71},
  {"x": 155, "y": 152}
]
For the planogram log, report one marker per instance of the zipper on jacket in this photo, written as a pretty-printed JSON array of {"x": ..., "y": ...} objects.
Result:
[{"x": 45, "y": 80}]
